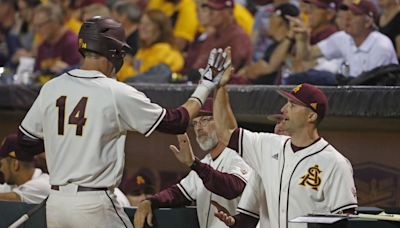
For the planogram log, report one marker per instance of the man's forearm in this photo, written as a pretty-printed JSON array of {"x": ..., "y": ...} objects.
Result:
[
  {"x": 193, "y": 107},
  {"x": 170, "y": 197},
  {"x": 217, "y": 182},
  {"x": 303, "y": 50},
  {"x": 279, "y": 55},
  {"x": 224, "y": 119}
]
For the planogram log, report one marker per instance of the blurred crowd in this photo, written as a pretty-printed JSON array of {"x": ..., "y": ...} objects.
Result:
[{"x": 323, "y": 42}]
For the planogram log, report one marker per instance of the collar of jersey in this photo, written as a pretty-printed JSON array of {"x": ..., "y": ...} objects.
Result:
[{"x": 86, "y": 73}]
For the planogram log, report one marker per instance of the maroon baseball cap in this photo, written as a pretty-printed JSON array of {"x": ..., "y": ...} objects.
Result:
[
  {"x": 207, "y": 109},
  {"x": 218, "y": 4},
  {"x": 362, "y": 7},
  {"x": 325, "y": 4},
  {"x": 309, "y": 96},
  {"x": 144, "y": 181},
  {"x": 11, "y": 148}
]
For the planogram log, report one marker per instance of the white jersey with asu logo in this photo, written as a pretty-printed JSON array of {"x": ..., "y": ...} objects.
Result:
[
  {"x": 83, "y": 117},
  {"x": 314, "y": 179},
  {"x": 193, "y": 188},
  {"x": 253, "y": 202}
]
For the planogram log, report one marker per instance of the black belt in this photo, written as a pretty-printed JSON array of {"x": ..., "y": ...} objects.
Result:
[{"x": 81, "y": 188}]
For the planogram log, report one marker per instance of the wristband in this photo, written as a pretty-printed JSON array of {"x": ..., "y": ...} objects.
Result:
[
  {"x": 200, "y": 94},
  {"x": 195, "y": 163}
]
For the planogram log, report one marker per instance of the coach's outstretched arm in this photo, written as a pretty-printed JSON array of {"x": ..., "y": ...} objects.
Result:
[{"x": 225, "y": 121}]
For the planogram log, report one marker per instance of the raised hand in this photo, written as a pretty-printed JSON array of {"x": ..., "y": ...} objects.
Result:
[
  {"x": 223, "y": 214},
  {"x": 185, "y": 154},
  {"x": 298, "y": 29},
  {"x": 143, "y": 211},
  {"x": 226, "y": 75},
  {"x": 218, "y": 62}
]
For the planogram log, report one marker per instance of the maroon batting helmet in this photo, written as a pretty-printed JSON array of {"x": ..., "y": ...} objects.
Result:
[{"x": 106, "y": 37}]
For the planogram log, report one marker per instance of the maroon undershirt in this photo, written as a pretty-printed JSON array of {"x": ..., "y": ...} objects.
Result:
[
  {"x": 175, "y": 121},
  {"x": 215, "y": 181},
  {"x": 297, "y": 148}
]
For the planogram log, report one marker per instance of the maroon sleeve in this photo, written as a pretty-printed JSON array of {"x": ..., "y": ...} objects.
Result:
[
  {"x": 234, "y": 140},
  {"x": 175, "y": 121},
  {"x": 30, "y": 145},
  {"x": 244, "y": 221},
  {"x": 226, "y": 185},
  {"x": 170, "y": 197}
]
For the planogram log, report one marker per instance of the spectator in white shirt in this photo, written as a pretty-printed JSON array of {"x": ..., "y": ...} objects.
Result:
[
  {"x": 17, "y": 165},
  {"x": 361, "y": 47}
]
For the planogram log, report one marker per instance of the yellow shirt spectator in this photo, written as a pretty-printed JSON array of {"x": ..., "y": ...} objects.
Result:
[
  {"x": 156, "y": 54},
  {"x": 183, "y": 15},
  {"x": 74, "y": 25},
  {"x": 126, "y": 70},
  {"x": 243, "y": 18}
]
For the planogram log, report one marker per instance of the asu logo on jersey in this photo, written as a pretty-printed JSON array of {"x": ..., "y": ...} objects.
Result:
[
  {"x": 82, "y": 44},
  {"x": 312, "y": 178}
]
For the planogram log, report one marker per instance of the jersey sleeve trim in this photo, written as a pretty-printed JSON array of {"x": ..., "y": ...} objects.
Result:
[
  {"x": 240, "y": 177},
  {"x": 185, "y": 193},
  {"x": 240, "y": 142},
  {"x": 345, "y": 207},
  {"x": 247, "y": 212},
  {"x": 27, "y": 133},
  {"x": 156, "y": 123}
]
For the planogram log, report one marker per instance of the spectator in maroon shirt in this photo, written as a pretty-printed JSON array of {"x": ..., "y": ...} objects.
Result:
[
  {"x": 226, "y": 33},
  {"x": 58, "y": 49}
]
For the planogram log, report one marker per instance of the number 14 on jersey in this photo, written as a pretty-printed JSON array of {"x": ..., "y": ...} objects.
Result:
[{"x": 77, "y": 116}]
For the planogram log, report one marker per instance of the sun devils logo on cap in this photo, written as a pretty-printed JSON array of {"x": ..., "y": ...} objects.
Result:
[
  {"x": 82, "y": 44},
  {"x": 297, "y": 88},
  {"x": 12, "y": 154},
  {"x": 356, "y": 2},
  {"x": 314, "y": 105},
  {"x": 140, "y": 180}
]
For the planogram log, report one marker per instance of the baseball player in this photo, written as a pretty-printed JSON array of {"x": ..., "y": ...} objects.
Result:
[
  {"x": 252, "y": 207},
  {"x": 220, "y": 176},
  {"x": 31, "y": 185},
  {"x": 83, "y": 117},
  {"x": 301, "y": 174}
]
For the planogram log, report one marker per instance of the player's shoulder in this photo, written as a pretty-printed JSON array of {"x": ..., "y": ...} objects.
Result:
[
  {"x": 230, "y": 154},
  {"x": 264, "y": 135},
  {"x": 334, "y": 157}
]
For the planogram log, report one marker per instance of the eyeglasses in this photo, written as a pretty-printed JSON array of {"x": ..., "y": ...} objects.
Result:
[{"x": 202, "y": 121}]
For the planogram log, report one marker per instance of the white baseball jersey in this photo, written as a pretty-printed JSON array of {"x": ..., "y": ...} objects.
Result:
[
  {"x": 314, "y": 179},
  {"x": 6, "y": 188},
  {"x": 36, "y": 189},
  {"x": 253, "y": 202},
  {"x": 83, "y": 117},
  {"x": 121, "y": 198},
  {"x": 193, "y": 189}
]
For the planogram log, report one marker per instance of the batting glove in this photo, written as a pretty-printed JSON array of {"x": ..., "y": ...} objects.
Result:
[{"x": 218, "y": 62}]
